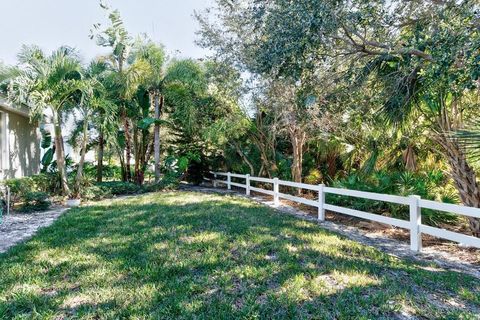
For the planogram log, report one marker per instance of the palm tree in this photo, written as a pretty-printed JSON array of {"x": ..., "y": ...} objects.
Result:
[
  {"x": 440, "y": 107},
  {"x": 127, "y": 76},
  {"x": 154, "y": 55},
  {"x": 48, "y": 83},
  {"x": 94, "y": 102}
]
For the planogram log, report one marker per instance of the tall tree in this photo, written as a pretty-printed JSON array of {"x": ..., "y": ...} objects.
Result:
[
  {"x": 154, "y": 56},
  {"x": 48, "y": 82},
  {"x": 96, "y": 110},
  {"x": 420, "y": 58},
  {"x": 127, "y": 76}
]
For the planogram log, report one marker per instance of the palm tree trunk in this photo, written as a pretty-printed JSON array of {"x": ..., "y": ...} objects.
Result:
[
  {"x": 147, "y": 157},
  {"x": 121, "y": 157},
  {"x": 79, "y": 178},
  {"x": 463, "y": 175},
  {"x": 141, "y": 139},
  {"x": 60, "y": 153},
  {"x": 100, "y": 152},
  {"x": 137, "y": 151},
  {"x": 158, "y": 107},
  {"x": 128, "y": 147}
]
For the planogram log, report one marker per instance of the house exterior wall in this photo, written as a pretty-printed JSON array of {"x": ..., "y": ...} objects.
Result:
[{"x": 19, "y": 145}]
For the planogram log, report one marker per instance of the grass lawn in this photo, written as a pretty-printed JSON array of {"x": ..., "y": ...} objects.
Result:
[{"x": 189, "y": 255}]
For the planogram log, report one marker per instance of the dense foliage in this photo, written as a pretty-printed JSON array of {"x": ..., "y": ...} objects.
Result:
[
  {"x": 380, "y": 96},
  {"x": 353, "y": 90}
]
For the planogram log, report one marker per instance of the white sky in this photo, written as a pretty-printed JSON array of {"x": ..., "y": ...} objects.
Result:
[{"x": 52, "y": 23}]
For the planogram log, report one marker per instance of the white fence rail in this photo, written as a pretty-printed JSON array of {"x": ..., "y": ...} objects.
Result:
[{"x": 415, "y": 203}]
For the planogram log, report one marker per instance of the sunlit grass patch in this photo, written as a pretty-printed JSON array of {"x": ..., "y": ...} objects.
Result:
[{"x": 191, "y": 255}]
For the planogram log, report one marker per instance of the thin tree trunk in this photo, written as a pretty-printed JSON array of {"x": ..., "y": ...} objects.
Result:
[
  {"x": 137, "y": 151},
  {"x": 100, "y": 152},
  {"x": 297, "y": 145},
  {"x": 124, "y": 158},
  {"x": 60, "y": 153},
  {"x": 128, "y": 147},
  {"x": 79, "y": 178},
  {"x": 158, "y": 106},
  {"x": 121, "y": 157},
  {"x": 141, "y": 154},
  {"x": 244, "y": 157},
  {"x": 464, "y": 177},
  {"x": 297, "y": 139},
  {"x": 147, "y": 159},
  {"x": 267, "y": 165}
]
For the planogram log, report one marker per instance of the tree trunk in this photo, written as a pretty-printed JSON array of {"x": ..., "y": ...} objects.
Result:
[
  {"x": 464, "y": 177},
  {"x": 101, "y": 148},
  {"x": 60, "y": 154},
  {"x": 141, "y": 157},
  {"x": 297, "y": 139},
  {"x": 79, "y": 178},
  {"x": 143, "y": 151},
  {"x": 128, "y": 147},
  {"x": 121, "y": 156},
  {"x": 244, "y": 157},
  {"x": 147, "y": 159},
  {"x": 137, "y": 152},
  {"x": 158, "y": 106}
]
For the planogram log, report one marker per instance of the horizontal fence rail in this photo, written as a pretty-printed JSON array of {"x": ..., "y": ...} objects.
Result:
[{"x": 415, "y": 204}]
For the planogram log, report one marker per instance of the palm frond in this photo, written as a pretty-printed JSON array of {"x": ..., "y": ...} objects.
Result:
[{"x": 470, "y": 140}]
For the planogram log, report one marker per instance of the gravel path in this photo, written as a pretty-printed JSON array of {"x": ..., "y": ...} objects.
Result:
[
  {"x": 17, "y": 228},
  {"x": 392, "y": 247}
]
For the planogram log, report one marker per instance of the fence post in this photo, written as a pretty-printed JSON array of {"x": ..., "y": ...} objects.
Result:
[
  {"x": 214, "y": 180},
  {"x": 276, "y": 200},
  {"x": 247, "y": 183},
  {"x": 229, "y": 180},
  {"x": 321, "y": 202},
  {"x": 415, "y": 222}
]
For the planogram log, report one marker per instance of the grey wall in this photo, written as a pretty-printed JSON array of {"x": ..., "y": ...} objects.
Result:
[{"x": 23, "y": 149}]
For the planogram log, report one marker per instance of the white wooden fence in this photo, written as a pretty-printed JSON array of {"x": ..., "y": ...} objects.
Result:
[{"x": 414, "y": 202}]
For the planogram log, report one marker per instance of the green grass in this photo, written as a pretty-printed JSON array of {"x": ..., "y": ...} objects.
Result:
[{"x": 189, "y": 255}]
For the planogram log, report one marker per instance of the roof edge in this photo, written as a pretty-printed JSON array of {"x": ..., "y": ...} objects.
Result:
[{"x": 5, "y": 105}]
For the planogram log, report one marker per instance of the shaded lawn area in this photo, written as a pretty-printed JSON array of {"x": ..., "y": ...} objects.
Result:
[{"x": 192, "y": 255}]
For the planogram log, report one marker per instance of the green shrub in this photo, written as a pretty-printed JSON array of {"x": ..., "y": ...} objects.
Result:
[
  {"x": 35, "y": 201},
  {"x": 95, "y": 192},
  {"x": 432, "y": 186},
  {"x": 168, "y": 182},
  {"x": 119, "y": 187},
  {"x": 314, "y": 176},
  {"x": 20, "y": 187},
  {"x": 189, "y": 167},
  {"x": 109, "y": 172}
]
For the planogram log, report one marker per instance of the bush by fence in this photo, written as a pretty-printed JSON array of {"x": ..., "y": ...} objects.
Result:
[{"x": 413, "y": 203}]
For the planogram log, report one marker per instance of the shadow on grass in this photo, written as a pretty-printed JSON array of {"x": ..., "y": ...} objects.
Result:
[{"x": 189, "y": 255}]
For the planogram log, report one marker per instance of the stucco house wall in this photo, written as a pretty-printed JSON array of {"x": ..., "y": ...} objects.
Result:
[{"x": 19, "y": 143}]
